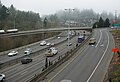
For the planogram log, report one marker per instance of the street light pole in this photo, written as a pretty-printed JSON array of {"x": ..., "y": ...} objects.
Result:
[
  {"x": 69, "y": 25},
  {"x": 14, "y": 22}
]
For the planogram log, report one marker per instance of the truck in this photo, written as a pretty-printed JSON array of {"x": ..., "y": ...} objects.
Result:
[
  {"x": 80, "y": 39},
  {"x": 51, "y": 52}
]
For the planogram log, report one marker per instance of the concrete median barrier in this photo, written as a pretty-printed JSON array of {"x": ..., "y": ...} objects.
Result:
[{"x": 61, "y": 60}]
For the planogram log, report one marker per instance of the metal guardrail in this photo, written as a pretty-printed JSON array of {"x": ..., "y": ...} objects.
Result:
[{"x": 58, "y": 62}]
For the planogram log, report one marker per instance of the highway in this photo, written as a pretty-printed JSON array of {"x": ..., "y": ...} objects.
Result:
[
  {"x": 19, "y": 33},
  {"x": 23, "y": 72},
  {"x": 89, "y": 64},
  {"x": 35, "y": 47}
]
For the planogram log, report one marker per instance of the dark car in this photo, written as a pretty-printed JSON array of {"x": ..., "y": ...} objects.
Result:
[{"x": 26, "y": 60}]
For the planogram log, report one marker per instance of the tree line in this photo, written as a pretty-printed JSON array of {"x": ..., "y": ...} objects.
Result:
[
  {"x": 102, "y": 23},
  {"x": 11, "y": 18}
]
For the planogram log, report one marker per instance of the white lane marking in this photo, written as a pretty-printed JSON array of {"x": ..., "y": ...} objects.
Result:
[
  {"x": 102, "y": 45},
  {"x": 24, "y": 73},
  {"x": 99, "y": 38},
  {"x": 99, "y": 61},
  {"x": 66, "y": 66}
]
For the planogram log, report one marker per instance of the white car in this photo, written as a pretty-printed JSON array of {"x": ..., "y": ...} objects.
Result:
[
  {"x": 42, "y": 43},
  {"x": 58, "y": 37},
  {"x": 52, "y": 44},
  {"x": 2, "y": 77},
  {"x": 28, "y": 51},
  {"x": 48, "y": 44},
  {"x": 12, "y": 53}
]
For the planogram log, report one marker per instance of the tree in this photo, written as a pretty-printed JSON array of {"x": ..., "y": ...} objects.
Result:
[
  {"x": 0, "y": 4},
  {"x": 101, "y": 22},
  {"x": 3, "y": 15},
  {"x": 95, "y": 25},
  {"x": 107, "y": 23},
  {"x": 46, "y": 62},
  {"x": 45, "y": 22}
]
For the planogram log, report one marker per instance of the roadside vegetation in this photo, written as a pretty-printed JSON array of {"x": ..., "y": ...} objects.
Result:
[
  {"x": 102, "y": 23},
  {"x": 7, "y": 43},
  {"x": 114, "y": 68}
]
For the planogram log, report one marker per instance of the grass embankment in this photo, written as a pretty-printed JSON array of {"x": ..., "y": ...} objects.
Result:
[{"x": 114, "y": 69}]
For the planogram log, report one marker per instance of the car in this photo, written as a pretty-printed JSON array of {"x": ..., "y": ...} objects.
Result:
[
  {"x": 58, "y": 37},
  {"x": 26, "y": 60},
  {"x": 12, "y": 53},
  {"x": 92, "y": 41},
  {"x": 69, "y": 44},
  {"x": 2, "y": 77},
  {"x": 52, "y": 44},
  {"x": 51, "y": 52},
  {"x": 68, "y": 37},
  {"x": 42, "y": 43},
  {"x": 48, "y": 44},
  {"x": 28, "y": 51}
]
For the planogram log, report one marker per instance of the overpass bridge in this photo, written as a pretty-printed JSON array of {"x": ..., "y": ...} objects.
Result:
[{"x": 30, "y": 32}]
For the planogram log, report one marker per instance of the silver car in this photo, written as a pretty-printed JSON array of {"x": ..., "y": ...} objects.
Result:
[
  {"x": 28, "y": 51},
  {"x": 2, "y": 77}
]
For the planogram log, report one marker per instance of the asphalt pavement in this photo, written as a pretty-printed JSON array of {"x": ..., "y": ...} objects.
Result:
[{"x": 89, "y": 64}]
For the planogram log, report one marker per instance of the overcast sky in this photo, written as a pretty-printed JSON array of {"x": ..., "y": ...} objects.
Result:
[{"x": 51, "y": 6}]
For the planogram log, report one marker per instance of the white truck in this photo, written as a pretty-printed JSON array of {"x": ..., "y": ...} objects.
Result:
[{"x": 51, "y": 52}]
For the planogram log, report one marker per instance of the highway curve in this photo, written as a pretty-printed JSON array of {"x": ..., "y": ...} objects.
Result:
[{"x": 89, "y": 64}]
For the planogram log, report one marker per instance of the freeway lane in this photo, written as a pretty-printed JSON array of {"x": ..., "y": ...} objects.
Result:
[
  {"x": 90, "y": 63},
  {"x": 35, "y": 47},
  {"x": 22, "y": 73}
]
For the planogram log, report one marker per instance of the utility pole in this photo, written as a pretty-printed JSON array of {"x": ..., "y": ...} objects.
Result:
[
  {"x": 14, "y": 21},
  {"x": 115, "y": 16}
]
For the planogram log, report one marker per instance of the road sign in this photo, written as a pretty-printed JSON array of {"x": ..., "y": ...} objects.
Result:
[{"x": 114, "y": 50}]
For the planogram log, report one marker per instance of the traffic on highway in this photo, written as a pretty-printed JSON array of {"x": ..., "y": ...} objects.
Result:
[
  {"x": 35, "y": 55},
  {"x": 86, "y": 62},
  {"x": 59, "y": 41}
]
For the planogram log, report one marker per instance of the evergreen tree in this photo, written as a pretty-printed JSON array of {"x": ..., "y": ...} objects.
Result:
[
  {"x": 107, "y": 23},
  {"x": 45, "y": 22},
  {"x": 101, "y": 22},
  {"x": 0, "y": 4},
  {"x": 95, "y": 25},
  {"x": 46, "y": 63},
  {"x": 3, "y": 13}
]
